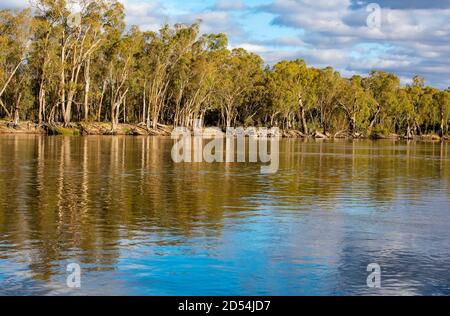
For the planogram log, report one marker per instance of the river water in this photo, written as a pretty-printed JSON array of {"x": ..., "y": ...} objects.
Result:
[{"x": 139, "y": 224}]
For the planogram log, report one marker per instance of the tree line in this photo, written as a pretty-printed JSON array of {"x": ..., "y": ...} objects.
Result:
[{"x": 60, "y": 68}]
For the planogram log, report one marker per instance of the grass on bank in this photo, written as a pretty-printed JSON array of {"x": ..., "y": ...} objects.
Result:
[{"x": 63, "y": 131}]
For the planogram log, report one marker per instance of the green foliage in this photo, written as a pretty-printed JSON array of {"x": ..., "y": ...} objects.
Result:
[
  {"x": 379, "y": 131},
  {"x": 51, "y": 71}
]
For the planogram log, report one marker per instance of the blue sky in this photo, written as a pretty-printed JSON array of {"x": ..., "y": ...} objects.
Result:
[{"x": 412, "y": 37}]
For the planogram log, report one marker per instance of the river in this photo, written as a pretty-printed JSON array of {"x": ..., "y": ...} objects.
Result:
[{"x": 139, "y": 224}]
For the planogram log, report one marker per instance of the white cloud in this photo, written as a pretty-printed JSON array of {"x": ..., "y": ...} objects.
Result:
[
  {"x": 418, "y": 35},
  {"x": 227, "y": 5},
  {"x": 13, "y": 4},
  {"x": 415, "y": 34},
  {"x": 254, "y": 48}
]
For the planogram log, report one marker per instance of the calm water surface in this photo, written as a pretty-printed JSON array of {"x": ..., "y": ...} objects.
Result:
[{"x": 139, "y": 224}]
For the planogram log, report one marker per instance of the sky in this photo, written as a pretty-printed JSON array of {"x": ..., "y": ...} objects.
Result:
[{"x": 353, "y": 36}]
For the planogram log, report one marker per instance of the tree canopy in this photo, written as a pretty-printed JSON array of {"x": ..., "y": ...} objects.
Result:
[{"x": 55, "y": 68}]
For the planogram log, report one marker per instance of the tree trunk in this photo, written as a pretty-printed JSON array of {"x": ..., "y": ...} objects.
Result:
[
  {"x": 99, "y": 113},
  {"x": 144, "y": 104},
  {"x": 115, "y": 109},
  {"x": 68, "y": 109},
  {"x": 353, "y": 124},
  {"x": 63, "y": 77},
  {"x": 408, "y": 131},
  {"x": 375, "y": 118},
  {"x": 41, "y": 103},
  {"x": 87, "y": 81},
  {"x": 16, "y": 110},
  {"x": 302, "y": 117},
  {"x": 10, "y": 78},
  {"x": 16, "y": 116},
  {"x": 228, "y": 120},
  {"x": 5, "y": 108},
  {"x": 114, "y": 117}
]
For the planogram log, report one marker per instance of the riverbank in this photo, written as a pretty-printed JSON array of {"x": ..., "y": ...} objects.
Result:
[
  {"x": 78, "y": 129},
  {"x": 95, "y": 128}
]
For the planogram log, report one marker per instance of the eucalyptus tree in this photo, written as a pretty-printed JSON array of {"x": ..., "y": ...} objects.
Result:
[
  {"x": 441, "y": 102},
  {"x": 383, "y": 87},
  {"x": 15, "y": 33},
  {"x": 355, "y": 102},
  {"x": 43, "y": 57},
  {"x": 288, "y": 83},
  {"x": 79, "y": 41},
  {"x": 194, "y": 79},
  {"x": 403, "y": 114},
  {"x": 67, "y": 35},
  {"x": 96, "y": 17},
  {"x": 120, "y": 52},
  {"x": 240, "y": 71},
  {"x": 325, "y": 85},
  {"x": 58, "y": 67},
  {"x": 163, "y": 52}
]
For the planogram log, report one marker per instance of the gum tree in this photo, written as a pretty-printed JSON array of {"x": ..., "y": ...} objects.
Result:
[{"x": 288, "y": 84}]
